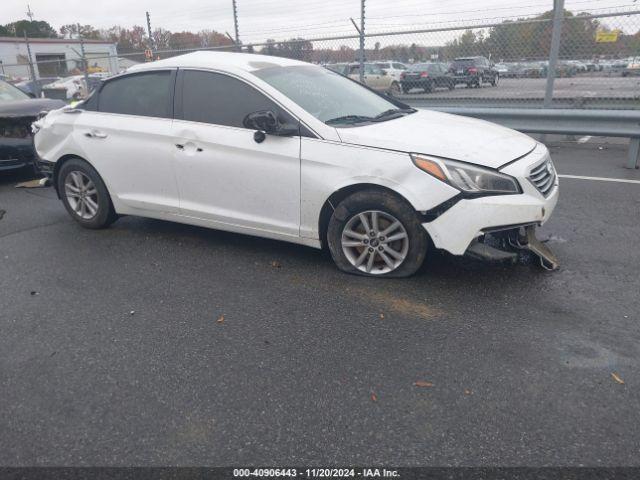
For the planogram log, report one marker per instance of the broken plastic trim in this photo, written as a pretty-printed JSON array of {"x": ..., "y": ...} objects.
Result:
[
  {"x": 502, "y": 244},
  {"x": 530, "y": 242}
]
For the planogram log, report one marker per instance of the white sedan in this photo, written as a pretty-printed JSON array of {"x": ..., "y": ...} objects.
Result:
[{"x": 283, "y": 149}]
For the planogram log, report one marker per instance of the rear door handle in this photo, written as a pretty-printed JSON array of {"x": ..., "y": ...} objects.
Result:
[{"x": 95, "y": 134}]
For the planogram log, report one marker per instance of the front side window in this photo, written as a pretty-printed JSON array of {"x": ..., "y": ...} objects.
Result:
[
  {"x": 219, "y": 99},
  {"x": 329, "y": 97},
  {"x": 147, "y": 94}
]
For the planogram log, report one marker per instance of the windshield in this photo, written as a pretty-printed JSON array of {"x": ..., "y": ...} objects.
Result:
[
  {"x": 325, "y": 94},
  {"x": 10, "y": 93}
]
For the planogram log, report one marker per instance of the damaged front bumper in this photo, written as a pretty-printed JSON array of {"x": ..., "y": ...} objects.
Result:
[
  {"x": 472, "y": 225},
  {"x": 510, "y": 245}
]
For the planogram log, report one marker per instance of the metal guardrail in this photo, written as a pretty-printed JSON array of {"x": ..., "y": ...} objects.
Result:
[{"x": 603, "y": 123}]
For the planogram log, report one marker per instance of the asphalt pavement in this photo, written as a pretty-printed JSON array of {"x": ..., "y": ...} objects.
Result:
[{"x": 152, "y": 343}]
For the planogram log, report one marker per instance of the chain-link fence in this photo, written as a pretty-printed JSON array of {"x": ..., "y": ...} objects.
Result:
[{"x": 481, "y": 63}]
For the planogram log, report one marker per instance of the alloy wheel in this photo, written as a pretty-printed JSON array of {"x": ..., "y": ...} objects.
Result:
[
  {"x": 81, "y": 194},
  {"x": 375, "y": 242}
]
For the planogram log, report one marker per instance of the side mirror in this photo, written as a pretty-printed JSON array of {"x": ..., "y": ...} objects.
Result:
[
  {"x": 266, "y": 121},
  {"x": 263, "y": 120}
]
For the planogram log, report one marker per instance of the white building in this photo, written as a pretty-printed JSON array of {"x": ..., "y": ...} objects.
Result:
[{"x": 54, "y": 57}]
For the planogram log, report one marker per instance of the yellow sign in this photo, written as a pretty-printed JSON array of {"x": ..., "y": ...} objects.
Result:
[{"x": 607, "y": 37}]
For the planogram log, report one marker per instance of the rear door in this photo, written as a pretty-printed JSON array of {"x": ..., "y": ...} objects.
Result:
[
  {"x": 224, "y": 175},
  {"x": 127, "y": 138},
  {"x": 374, "y": 78}
]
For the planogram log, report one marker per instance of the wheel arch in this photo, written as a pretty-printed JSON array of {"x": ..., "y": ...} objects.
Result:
[
  {"x": 339, "y": 195},
  {"x": 64, "y": 159}
]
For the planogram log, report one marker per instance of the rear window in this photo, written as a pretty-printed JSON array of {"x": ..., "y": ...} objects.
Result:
[
  {"x": 464, "y": 62},
  {"x": 146, "y": 94},
  {"x": 424, "y": 67}
]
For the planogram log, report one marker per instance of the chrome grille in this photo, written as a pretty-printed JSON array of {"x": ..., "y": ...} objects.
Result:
[{"x": 543, "y": 177}]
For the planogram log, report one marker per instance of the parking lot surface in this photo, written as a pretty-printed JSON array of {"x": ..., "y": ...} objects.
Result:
[
  {"x": 600, "y": 91},
  {"x": 152, "y": 343}
]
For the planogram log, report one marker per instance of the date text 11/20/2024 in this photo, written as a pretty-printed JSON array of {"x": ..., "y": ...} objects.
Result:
[{"x": 316, "y": 472}]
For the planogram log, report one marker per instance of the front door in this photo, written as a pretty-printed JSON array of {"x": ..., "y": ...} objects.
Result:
[{"x": 224, "y": 175}]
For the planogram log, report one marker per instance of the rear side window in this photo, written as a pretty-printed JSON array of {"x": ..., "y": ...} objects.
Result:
[
  {"x": 147, "y": 94},
  {"x": 218, "y": 99}
]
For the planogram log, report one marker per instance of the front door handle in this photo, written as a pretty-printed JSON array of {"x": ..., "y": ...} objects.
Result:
[
  {"x": 95, "y": 134},
  {"x": 180, "y": 146}
]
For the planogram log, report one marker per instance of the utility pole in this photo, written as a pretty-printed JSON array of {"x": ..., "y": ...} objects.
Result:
[
  {"x": 558, "y": 14},
  {"x": 235, "y": 24},
  {"x": 32, "y": 70},
  {"x": 85, "y": 65},
  {"x": 151, "y": 46},
  {"x": 29, "y": 13},
  {"x": 362, "y": 41}
]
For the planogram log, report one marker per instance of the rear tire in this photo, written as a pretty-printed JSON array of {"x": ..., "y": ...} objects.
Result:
[
  {"x": 85, "y": 195},
  {"x": 390, "y": 242},
  {"x": 395, "y": 89}
]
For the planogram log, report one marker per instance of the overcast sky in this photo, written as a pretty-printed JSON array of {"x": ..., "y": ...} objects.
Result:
[{"x": 282, "y": 19}]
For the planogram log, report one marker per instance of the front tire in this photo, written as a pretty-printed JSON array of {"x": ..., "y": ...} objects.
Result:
[
  {"x": 375, "y": 233},
  {"x": 85, "y": 195}
]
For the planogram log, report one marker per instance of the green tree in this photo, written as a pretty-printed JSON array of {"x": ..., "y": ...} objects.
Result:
[{"x": 33, "y": 29}]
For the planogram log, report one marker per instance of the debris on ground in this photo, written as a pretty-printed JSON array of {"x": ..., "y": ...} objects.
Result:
[
  {"x": 617, "y": 378},
  {"x": 2, "y": 212},
  {"x": 132, "y": 312},
  {"x": 374, "y": 397},
  {"x": 34, "y": 293},
  {"x": 382, "y": 316},
  {"x": 275, "y": 264},
  {"x": 37, "y": 183},
  {"x": 468, "y": 391},
  {"x": 422, "y": 383},
  {"x": 221, "y": 319}
]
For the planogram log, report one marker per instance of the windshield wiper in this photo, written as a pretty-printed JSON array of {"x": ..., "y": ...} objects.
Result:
[
  {"x": 393, "y": 112},
  {"x": 349, "y": 119}
]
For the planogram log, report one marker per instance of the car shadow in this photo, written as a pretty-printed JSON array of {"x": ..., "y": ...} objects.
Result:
[{"x": 11, "y": 177}]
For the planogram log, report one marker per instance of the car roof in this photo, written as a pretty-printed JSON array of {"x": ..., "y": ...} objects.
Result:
[{"x": 204, "y": 59}]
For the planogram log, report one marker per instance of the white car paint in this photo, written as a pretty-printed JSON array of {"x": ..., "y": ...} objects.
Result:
[
  {"x": 74, "y": 86},
  {"x": 393, "y": 69},
  {"x": 277, "y": 188}
]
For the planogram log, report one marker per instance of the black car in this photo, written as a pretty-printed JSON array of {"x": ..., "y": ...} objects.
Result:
[
  {"x": 474, "y": 71},
  {"x": 17, "y": 112},
  {"x": 426, "y": 76}
]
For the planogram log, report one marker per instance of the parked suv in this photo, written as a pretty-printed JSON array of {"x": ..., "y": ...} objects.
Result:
[
  {"x": 375, "y": 77},
  {"x": 427, "y": 76},
  {"x": 474, "y": 71},
  {"x": 395, "y": 69}
]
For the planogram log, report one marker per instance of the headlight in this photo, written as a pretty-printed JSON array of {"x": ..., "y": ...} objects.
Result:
[{"x": 466, "y": 177}]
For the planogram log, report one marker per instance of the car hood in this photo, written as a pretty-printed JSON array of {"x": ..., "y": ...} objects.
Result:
[
  {"x": 443, "y": 135},
  {"x": 28, "y": 108}
]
